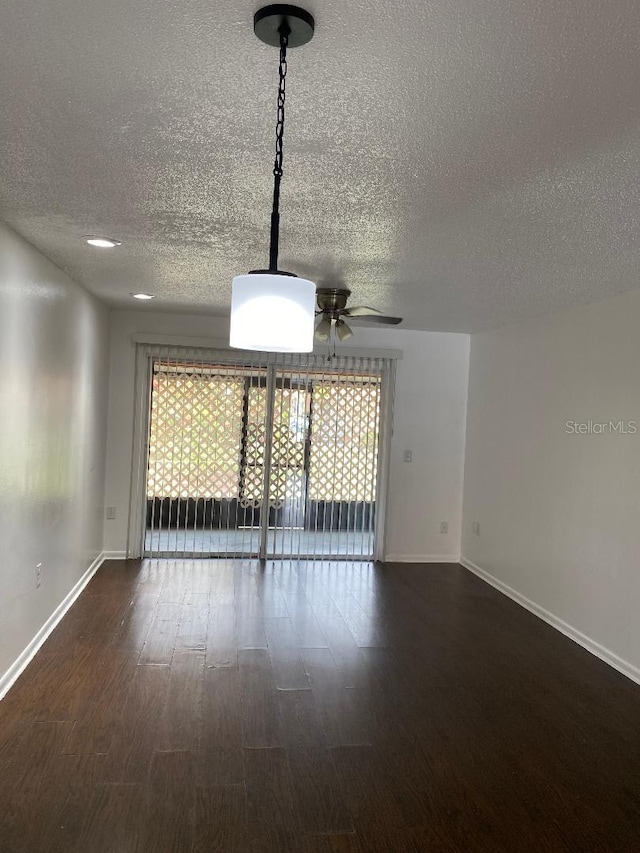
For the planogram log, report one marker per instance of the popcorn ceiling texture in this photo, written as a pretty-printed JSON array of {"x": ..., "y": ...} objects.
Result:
[{"x": 464, "y": 164}]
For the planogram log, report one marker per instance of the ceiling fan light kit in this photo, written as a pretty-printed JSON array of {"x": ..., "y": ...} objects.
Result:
[
  {"x": 272, "y": 310},
  {"x": 332, "y": 308},
  {"x": 343, "y": 331}
]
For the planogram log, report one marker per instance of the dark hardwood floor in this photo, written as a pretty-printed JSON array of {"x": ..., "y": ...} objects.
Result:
[{"x": 315, "y": 708}]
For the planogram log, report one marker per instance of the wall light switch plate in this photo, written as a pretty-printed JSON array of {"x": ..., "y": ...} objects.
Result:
[
  {"x": 408, "y": 456},
  {"x": 111, "y": 513},
  {"x": 444, "y": 527},
  {"x": 476, "y": 527}
]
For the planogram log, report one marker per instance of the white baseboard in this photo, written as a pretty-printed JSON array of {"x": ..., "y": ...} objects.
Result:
[
  {"x": 614, "y": 660},
  {"x": 114, "y": 555},
  {"x": 9, "y": 678},
  {"x": 422, "y": 558}
]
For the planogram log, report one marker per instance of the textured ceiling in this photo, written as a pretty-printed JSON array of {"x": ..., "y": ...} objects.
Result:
[{"x": 464, "y": 163}]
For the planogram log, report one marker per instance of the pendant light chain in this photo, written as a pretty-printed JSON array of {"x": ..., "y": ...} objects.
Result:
[
  {"x": 277, "y": 166},
  {"x": 284, "y": 40}
]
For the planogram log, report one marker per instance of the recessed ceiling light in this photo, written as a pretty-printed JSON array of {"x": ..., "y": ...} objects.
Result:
[
  {"x": 102, "y": 242},
  {"x": 143, "y": 296}
]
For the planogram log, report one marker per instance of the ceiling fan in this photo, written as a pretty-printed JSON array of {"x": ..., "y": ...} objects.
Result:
[{"x": 332, "y": 305}]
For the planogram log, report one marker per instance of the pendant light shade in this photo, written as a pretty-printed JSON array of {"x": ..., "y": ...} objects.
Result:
[{"x": 272, "y": 313}]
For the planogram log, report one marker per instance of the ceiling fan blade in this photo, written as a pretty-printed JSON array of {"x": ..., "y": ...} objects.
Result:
[
  {"x": 361, "y": 311},
  {"x": 376, "y": 319},
  {"x": 323, "y": 329},
  {"x": 343, "y": 331}
]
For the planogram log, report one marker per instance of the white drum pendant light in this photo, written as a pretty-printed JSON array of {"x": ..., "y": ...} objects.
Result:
[{"x": 272, "y": 310}]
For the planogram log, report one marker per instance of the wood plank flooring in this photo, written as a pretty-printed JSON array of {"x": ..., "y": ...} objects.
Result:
[{"x": 316, "y": 708}]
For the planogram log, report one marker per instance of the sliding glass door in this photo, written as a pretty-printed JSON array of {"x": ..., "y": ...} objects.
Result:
[{"x": 272, "y": 459}]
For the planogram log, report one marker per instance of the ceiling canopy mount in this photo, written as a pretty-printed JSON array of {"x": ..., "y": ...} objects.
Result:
[{"x": 269, "y": 21}]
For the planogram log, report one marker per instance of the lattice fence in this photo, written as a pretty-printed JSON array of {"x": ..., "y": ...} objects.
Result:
[
  {"x": 344, "y": 440},
  {"x": 197, "y": 447},
  {"x": 195, "y": 433},
  {"x": 287, "y": 448}
]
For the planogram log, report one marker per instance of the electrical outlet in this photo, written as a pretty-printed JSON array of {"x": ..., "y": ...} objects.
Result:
[
  {"x": 111, "y": 513},
  {"x": 444, "y": 527},
  {"x": 38, "y": 574},
  {"x": 408, "y": 456},
  {"x": 475, "y": 526}
]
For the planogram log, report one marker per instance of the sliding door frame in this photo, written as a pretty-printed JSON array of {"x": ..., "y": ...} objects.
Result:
[
  {"x": 141, "y": 420},
  {"x": 148, "y": 347},
  {"x": 387, "y": 400},
  {"x": 268, "y": 449}
]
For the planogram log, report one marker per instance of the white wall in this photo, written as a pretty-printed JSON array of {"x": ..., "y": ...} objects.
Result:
[
  {"x": 431, "y": 392},
  {"x": 559, "y": 513},
  {"x": 53, "y": 395}
]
